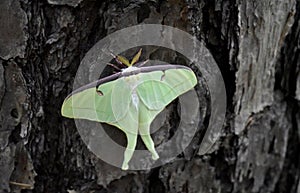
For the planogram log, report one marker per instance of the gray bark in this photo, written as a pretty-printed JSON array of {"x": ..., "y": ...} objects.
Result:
[{"x": 255, "y": 44}]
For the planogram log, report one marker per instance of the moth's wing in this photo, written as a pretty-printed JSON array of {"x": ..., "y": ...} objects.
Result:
[
  {"x": 129, "y": 125},
  {"x": 95, "y": 106},
  {"x": 121, "y": 98},
  {"x": 146, "y": 117},
  {"x": 158, "y": 92},
  {"x": 127, "y": 114},
  {"x": 111, "y": 104}
]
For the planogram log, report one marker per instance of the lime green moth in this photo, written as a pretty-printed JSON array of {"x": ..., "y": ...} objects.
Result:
[{"x": 130, "y": 99}]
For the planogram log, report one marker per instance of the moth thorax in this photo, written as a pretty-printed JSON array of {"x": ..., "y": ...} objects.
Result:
[{"x": 129, "y": 69}]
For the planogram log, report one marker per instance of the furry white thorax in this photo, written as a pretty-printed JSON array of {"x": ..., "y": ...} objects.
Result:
[{"x": 129, "y": 69}]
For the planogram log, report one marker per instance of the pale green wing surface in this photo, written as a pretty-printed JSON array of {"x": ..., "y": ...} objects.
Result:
[
  {"x": 158, "y": 93},
  {"x": 121, "y": 97},
  {"x": 82, "y": 105},
  {"x": 88, "y": 104},
  {"x": 155, "y": 94},
  {"x": 129, "y": 125},
  {"x": 146, "y": 116}
]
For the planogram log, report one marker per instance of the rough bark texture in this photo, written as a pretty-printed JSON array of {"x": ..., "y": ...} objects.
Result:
[{"x": 256, "y": 44}]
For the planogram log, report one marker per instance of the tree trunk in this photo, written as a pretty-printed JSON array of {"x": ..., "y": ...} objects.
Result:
[{"x": 256, "y": 45}]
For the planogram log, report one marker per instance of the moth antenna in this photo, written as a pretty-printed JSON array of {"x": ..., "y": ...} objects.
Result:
[
  {"x": 142, "y": 63},
  {"x": 136, "y": 57},
  {"x": 114, "y": 56},
  {"x": 114, "y": 66},
  {"x": 117, "y": 60}
]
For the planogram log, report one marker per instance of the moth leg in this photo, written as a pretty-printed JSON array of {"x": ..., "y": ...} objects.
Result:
[
  {"x": 140, "y": 64},
  {"x": 144, "y": 130},
  {"x": 114, "y": 66},
  {"x": 131, "y": 143}
]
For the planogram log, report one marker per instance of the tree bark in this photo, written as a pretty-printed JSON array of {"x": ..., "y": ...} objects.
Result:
[{"x": 256, "y": 45}]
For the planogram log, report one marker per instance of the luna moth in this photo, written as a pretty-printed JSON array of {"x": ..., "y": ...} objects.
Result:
[{"x": 130, "y": 99}]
